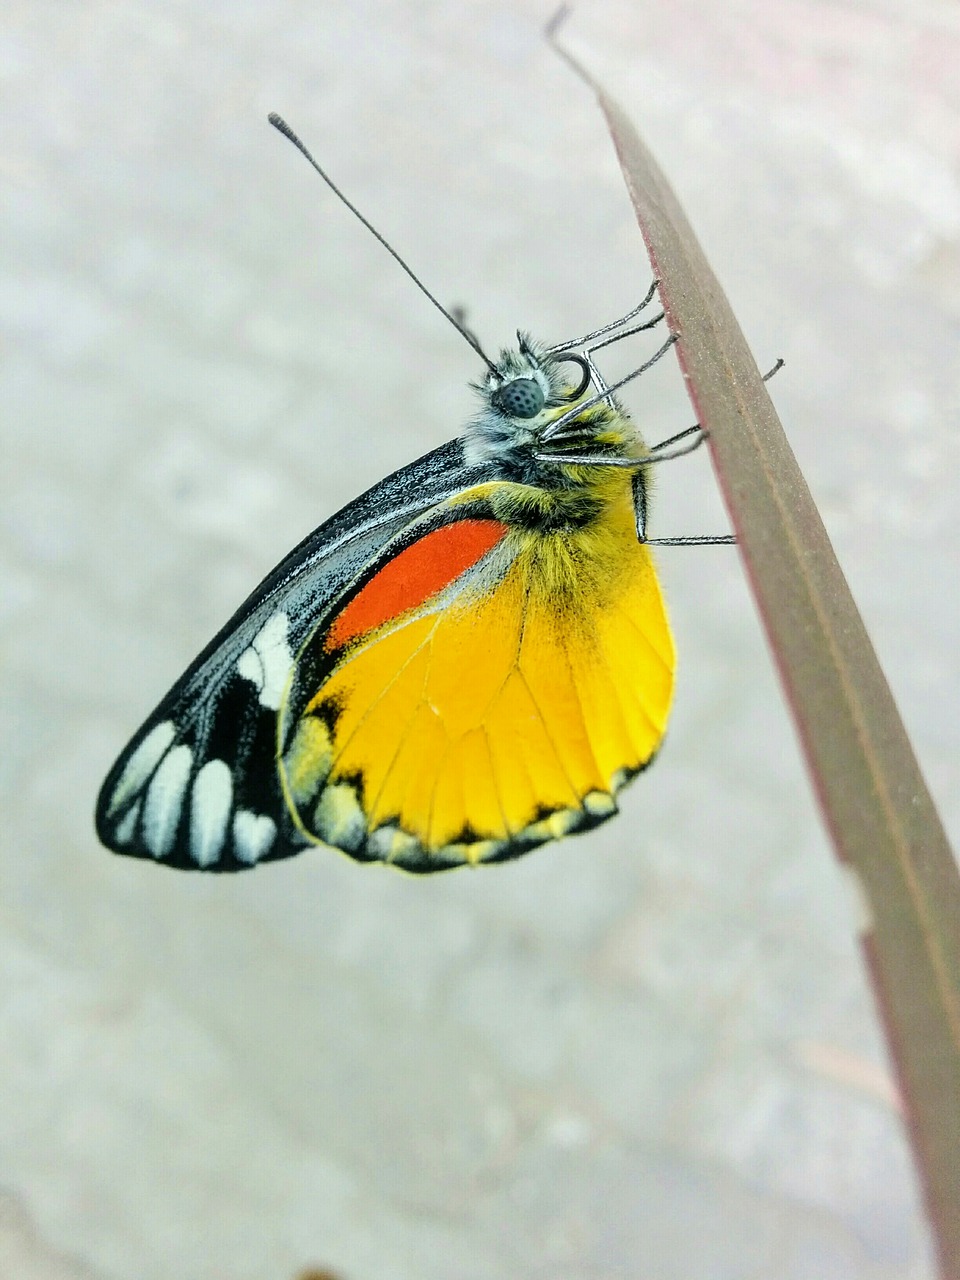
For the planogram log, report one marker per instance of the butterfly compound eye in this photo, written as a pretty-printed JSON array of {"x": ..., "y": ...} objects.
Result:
[{"x": 522, "y": 398}]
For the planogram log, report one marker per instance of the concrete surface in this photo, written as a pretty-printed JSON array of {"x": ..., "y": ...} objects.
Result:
[{"x": 650, "y": 1052}]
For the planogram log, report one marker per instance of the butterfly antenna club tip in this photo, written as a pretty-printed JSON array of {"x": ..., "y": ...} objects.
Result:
[{"x": 281, "y": 126}]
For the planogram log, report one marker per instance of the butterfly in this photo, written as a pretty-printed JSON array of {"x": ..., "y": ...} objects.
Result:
[{"x": 467, "y": 661}]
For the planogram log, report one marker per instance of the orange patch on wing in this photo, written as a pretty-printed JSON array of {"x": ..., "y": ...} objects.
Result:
[{"x": 412, "y": 577}]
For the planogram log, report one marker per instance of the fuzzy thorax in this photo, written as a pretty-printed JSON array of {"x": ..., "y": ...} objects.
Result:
[{"x": 552, "y": 495}]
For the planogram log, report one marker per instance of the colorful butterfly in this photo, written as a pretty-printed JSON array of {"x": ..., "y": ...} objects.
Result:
[{"x": 470, "y": 659}]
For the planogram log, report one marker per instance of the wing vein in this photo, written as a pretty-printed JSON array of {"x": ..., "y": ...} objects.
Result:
[{"x": 372, "y": 705}]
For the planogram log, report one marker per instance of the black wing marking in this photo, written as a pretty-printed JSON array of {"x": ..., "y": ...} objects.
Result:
[{"x": 198, "y": 786}]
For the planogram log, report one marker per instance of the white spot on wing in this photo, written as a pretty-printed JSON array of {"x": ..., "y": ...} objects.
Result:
[
  {"x": 338, "y": 818},
  {"x": 267, "y": 661},
  {"x": 141, "y": 764},
  {"x": 599, "y": 804},
  {"x": 209, "y": 810},
  {"x": 127, "y": 824},
  {"x": 161, "y": 812},
  {"x": 253, "y": 834},
  {"x": 390, "y": 844}
]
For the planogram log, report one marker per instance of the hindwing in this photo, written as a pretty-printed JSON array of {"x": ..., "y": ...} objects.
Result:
[{"x": 502, "y": 708}]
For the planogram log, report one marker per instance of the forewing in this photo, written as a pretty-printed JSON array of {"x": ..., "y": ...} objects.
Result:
[{"x": 198, "y": 787}]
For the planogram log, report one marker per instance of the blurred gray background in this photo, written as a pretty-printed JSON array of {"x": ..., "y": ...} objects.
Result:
[{"x": 650, "y": 1052}]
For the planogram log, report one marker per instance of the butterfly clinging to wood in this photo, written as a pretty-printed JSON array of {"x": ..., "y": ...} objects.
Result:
[{"x": 470, "y": 659}]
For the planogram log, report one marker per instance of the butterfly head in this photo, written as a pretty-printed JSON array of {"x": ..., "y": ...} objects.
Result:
[{"x": 533, "y": 395}]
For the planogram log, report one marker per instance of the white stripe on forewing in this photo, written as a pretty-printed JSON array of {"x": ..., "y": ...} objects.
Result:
[
  {"x": 267, "y": 660},
  {"x": 164, "y": 802},
  {"x": 210, "y": 804},
  {"x": 141, "y": 764},
  {"x": 127, "y": 824},
  {"x": 253, "y": 834}
]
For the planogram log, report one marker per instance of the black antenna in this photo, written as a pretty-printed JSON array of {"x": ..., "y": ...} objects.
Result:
[{"x": 280, "y": 124}]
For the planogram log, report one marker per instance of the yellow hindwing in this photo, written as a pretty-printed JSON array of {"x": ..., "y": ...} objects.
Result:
[{"x": 506, "y": 712}]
